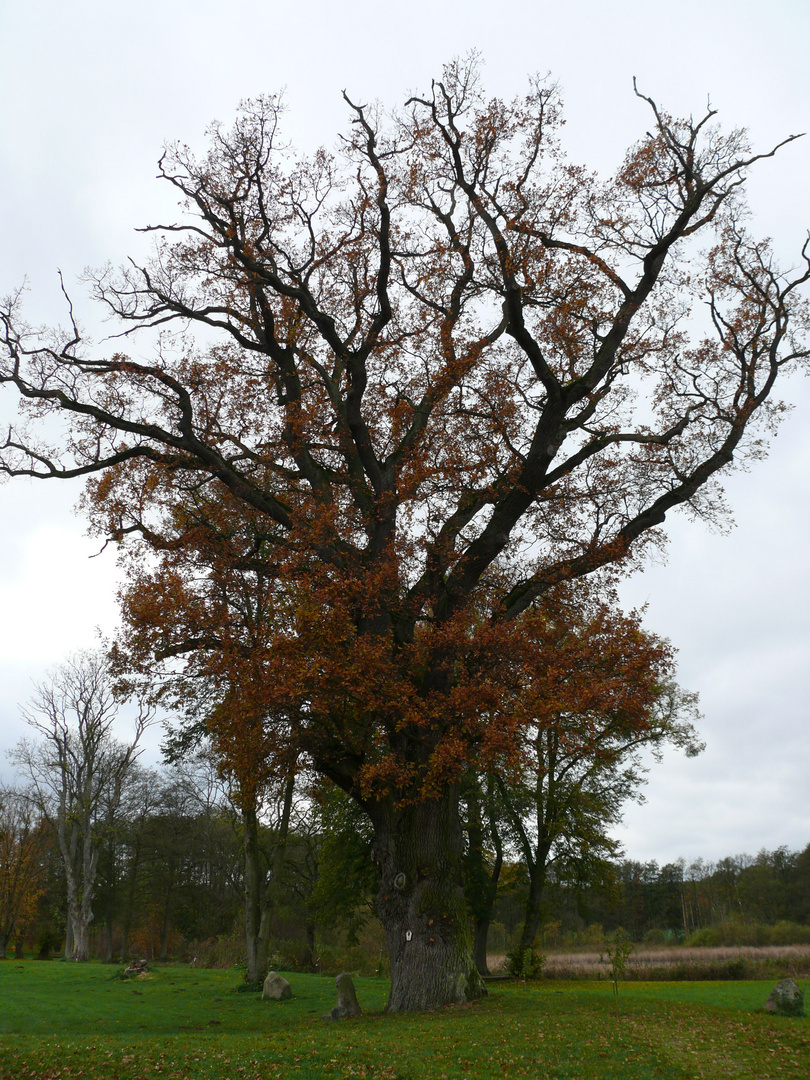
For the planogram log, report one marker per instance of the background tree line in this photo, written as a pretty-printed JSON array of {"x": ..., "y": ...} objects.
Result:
[
  {"x": 738, "y": 900},
  {"x": 170, "y": 873}
]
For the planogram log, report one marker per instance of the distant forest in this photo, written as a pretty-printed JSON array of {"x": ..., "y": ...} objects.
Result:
[
  {"x": 171, "y": 884},
  {"x": 760, "y": 899}
]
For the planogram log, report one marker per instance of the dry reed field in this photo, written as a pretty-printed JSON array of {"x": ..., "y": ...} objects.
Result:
[{"x": 679, "y": 962}]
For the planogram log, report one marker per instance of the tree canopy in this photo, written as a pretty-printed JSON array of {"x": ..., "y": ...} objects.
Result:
[
  {"x": 433, "y": 375},
  {"x": 600, "y": 692}
]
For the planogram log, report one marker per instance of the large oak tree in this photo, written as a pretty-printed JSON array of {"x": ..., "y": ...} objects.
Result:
[{"x": 436, "y": 374}]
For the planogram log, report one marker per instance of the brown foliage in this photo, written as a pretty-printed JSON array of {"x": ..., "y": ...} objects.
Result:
[{"x": 22, "y": 842}]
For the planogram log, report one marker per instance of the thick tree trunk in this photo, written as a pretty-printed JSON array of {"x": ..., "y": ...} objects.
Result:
[
  {"x": 80, "y": 881},
  {"x": 80, "y": 915},
  {"x": 81, "y": 936},
  {"x": 421, "y": 904}
]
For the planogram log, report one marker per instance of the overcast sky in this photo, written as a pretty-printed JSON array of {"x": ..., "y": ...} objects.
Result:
[{"x": 90, "y": 91}]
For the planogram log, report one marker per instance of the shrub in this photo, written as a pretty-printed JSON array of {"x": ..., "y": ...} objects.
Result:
[
  {"x": 655, "y": 937},
  {"x": 592, "y": 935},
  {"x": 525, "y": 963},
  {"x": 737, "y": 932},
  {"x": 708, "y": 937},
  {"x": 615, "y": 957},
  {"x": 225, "y": 951},
  {"x": 790, "y": 933},
  {"x": 292, "y": 955},
  {"x": 49, "y": 942}
]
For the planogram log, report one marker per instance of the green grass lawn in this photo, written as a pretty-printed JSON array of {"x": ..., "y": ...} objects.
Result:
[{"x": 68, "y": 1021}]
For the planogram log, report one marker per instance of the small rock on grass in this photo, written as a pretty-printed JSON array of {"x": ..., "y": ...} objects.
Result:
[
  {"x": 347, "y": 1003},
  {"x": 786, "y": 999},
  {"x": 137, "y": 969},
  {"x": 276, "y": 988}
]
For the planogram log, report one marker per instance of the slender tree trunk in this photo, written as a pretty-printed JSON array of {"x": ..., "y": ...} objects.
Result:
[
  {"x": 112, "y": 901},
  {"x": 164, "y": 934},
  {"x": 480, "y": 941},
  {"x": 167, "y": 916},
  {"x": 260, "y": 894},
  {"x": 256, "y": 937},
  {"x": 18, "y": 947},
  {"x": 421, "y": 904},
  {"x": 308, "y": 961},
  {"x": 69, "y": 937},
  {"x": 108, "y": 939},
  {"x": 534, "y": 902},
  {"x": 481, "y": 878},
  {"x": 535, "y": 857},
  {"x": 122, "y": 952},
  {"x": 531, "y": 922}
]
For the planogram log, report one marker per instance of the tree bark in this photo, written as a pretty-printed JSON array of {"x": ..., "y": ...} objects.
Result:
[
  {"x": 480, "y": 941},
  {"x": 259, "y": 895},
  {"x": 80, "y": 861},
  {"x": 81, "y": 937},
  {"x": 256, "y": 926},
  {"x": 108, "y": 939},
  {"x": 531, "y": 922},
  {"x": 80, "y": 900},
  {"x": 535, "y": 856},
  {"x": 308, "y": 960},
  {"x": 164, "y": 936},
  {"x": 537, "y": 868},
  {"x": 163, "y": 948},
  {"x": 481, "y": 877},
  {"x": 69, "y": 937},
  {"x": 421, "y": 904}
]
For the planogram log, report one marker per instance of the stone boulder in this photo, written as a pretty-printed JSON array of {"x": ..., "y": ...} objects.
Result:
[
  {"x": 275, "y": 988},
  {"x": 347, "y": 1003},
  {"x": 786, "y": 999}
]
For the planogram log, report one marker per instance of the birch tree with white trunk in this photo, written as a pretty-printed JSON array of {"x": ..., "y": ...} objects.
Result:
[{"x": 77, "y": 773}]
